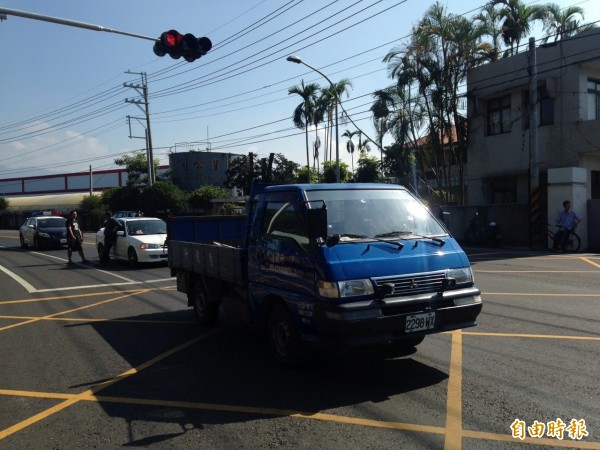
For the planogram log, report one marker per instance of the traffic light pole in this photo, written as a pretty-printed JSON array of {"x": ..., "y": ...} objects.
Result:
[{"x": 70, "y": 23}]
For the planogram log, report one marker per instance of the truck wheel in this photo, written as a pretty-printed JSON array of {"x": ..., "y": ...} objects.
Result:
[
  {"x": 206, "y": 311},
  {"x": 284, "y": 340}
]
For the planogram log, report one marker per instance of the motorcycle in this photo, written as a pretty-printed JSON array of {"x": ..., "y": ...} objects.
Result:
[{"x": 489, "y": 235}]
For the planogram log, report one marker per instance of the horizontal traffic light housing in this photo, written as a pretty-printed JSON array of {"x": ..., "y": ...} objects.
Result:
[{"x": 176, "y": 45}]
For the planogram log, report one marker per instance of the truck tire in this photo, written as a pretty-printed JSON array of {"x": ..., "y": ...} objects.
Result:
[
  {"x": 206, "y": 311},
  {"x": 284, "y": 340}
]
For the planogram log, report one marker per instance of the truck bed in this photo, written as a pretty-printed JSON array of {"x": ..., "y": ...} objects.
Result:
[
  {"x": 209, "y": 245},
  {"x": 212, "y": 260}
]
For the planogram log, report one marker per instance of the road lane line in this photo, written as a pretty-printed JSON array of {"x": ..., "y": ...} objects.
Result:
[
  {"x": 90, "y": 393},
  {"x": 536, "y": 271},
  {"x": 589, "y": 261},
  {"x": 453, "y": 440},
  {"x": 471, "y": 434},
  {"x": 15, "y": 325},
  {"x": 552, "y": 442},
  {"x": 532, "y": 336},
  {"x": 84, "y": 265},
  {"x": 28, "y": 287},
  {"x": 541, "y": 294}
]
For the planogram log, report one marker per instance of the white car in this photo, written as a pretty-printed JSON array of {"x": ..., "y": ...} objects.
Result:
[{"x": 139, "y": 240}]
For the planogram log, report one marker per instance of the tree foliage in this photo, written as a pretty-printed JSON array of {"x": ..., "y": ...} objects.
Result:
[
  {"x": 329, "y": 172},
  {"x": 4, "y": 202},
  {"x": 137, "y": 167},
  {"x": 160, "y": 197},
  {"x": 283, "y": 171},
  {"x": 201, "y": 197},
  {"x": 91, "y": 203},
  {"x": 367, "y": 170}
]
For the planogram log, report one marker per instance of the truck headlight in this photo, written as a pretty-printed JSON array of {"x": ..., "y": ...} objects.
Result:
[
  {"x": 464, "y": 275},
  {"x": 343, "y": 289}
]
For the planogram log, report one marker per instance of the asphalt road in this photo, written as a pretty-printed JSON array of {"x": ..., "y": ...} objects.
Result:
[{"x": 110, "y": 358}]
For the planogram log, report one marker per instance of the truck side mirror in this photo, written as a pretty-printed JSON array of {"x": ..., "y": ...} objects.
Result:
[{"x": 316, "y": 220}]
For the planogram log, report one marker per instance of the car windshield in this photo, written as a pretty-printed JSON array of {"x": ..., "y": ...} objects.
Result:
[
  {"x": 51, "y": 222},
  {"x": 157, "y": 226},
  {"x": 375, "y": 213}
]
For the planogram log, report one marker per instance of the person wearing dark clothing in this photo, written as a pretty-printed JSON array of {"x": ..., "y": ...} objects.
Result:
[
  {"x": 567, "y": 220},
  {"x": 74, "y": 238},
  {"x": 110, "y": 236}
]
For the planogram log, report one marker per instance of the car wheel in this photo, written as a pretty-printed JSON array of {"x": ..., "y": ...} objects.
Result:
[
  {"x": 206, "y": 311},
  {"x": 132, "y": 257},
  {"x": 22, "y": 239},
  {"x": 284, "y": 340}
]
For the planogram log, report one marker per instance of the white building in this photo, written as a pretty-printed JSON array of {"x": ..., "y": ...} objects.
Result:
[{"x": 568, "y": 84}]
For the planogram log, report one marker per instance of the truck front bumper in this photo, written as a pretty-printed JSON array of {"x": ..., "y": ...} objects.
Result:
[{"x": 383, "y": 321}]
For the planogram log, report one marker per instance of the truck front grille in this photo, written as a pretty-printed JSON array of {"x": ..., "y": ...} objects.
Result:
[{"x": 414, "y": 284}]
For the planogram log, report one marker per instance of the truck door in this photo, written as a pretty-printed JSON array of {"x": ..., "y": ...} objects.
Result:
[{"x": 281, "y": 258}]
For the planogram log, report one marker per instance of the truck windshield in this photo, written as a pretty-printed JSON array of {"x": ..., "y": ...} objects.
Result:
[{"x": 375, "y": 213}]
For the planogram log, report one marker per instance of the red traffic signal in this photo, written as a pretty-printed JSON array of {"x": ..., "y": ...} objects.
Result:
[
  {"x": 177, "y": 45},
  {"x": 168, "y": 43}
]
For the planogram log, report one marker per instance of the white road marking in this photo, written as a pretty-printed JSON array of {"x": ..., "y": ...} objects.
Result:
[
  {"x": 18, "y": 279},
  {"x": 31, "y": 289}
]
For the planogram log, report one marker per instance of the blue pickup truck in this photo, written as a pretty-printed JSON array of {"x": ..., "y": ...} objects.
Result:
[{"x": 326, "y": 264}]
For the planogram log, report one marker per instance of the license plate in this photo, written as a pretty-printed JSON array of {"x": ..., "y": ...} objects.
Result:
[
  {"x": 63, "y": 241},
  {"x": 419, "y": 322}
]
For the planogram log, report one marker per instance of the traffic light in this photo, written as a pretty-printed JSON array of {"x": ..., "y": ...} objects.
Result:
[
  {"x": 168, "y": 43},
  {"x": 177, "y": 45}
]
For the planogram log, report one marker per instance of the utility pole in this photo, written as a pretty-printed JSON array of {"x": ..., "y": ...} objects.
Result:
[
  {"x": 143, "y": 91},
  {"x": 534, "y": 151}
]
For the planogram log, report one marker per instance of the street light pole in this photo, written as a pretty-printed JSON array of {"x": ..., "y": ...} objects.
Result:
[{"x": 298, "y": 60}]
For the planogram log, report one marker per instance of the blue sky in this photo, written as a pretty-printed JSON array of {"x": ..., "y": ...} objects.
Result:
[{"x": 62, "y": 96}]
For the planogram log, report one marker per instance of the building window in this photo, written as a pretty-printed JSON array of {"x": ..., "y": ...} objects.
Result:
[
  {"x": 545, "y": 110},
  {"x": 593, "y": 99},
  {"x": 499, "y": 115},
  {"x": 503, "y": 190}
]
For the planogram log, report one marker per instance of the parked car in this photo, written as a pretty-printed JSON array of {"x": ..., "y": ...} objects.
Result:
[
  {"x": 43, "y": 231},
  {"x": 139, "y": 240}
]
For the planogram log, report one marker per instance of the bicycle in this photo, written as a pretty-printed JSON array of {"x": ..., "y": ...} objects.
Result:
[{"x": 572, "y": 244}]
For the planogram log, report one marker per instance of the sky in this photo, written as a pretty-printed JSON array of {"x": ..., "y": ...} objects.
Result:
[{"x": 63, "y": 90}]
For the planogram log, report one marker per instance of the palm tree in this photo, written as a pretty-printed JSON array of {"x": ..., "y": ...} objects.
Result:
[
  {"x": 331, "y": 96},
  {"x": 384, "y": 99},
  {"x": 561, "y": 23},
  {"x": 363, "y": 146},
  {"x": 304, "y": 112},
  {"x": 489, "y": 18},
  {"x": 518, "y": 18},
  {"x": 350, "y": 145}
]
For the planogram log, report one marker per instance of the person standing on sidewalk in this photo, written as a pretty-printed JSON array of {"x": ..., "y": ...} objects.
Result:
[{"x": 74, "y": 238}]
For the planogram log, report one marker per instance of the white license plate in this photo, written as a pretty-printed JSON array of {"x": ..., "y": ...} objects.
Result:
[
  {"x": 63, "y": 241},
  {"x": 419, "y": 322}
]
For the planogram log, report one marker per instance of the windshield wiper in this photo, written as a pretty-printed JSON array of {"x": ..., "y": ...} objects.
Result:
[
  {"x": 439, "y": 241},
  {"x": 336, "y": 238}
]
